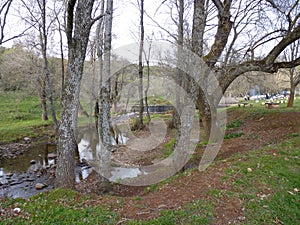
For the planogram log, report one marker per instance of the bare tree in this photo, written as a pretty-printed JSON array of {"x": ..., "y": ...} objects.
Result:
[
  {"x": 19, "y": 69},
  {"x": 60, "y": 28},
  {"x": 288, "y": 33},
  {"x": 4, "y": 9},
  {"x": 140, "y": 75},
  {"x": 38, "y": 19},
  {"x": 147, "y": 57},
  {"x": 293, "y": 73},
  {"x": 104, "y": 130},
  {"x": 43, "y": 29},
  {"x": 79, "y": 23}
]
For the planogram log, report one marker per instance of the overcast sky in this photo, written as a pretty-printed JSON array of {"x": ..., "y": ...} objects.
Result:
[{"x": 125, "y": 22}]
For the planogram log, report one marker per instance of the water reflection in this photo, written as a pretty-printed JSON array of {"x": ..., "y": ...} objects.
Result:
[
  {"x": 118, "y": 173},
  {"x": 37, "y": 155}
]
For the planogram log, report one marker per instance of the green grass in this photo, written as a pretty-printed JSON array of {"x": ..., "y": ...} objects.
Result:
[
  {"x": 198, "y": 212},
  {"x": 168, "y": 150},
  {"x": 235, "y": 124},
  {"x": 60, "y": 207},
  {"x": 269, "y": 192},
  {"x": 233, "y": 135},
  {"x": 19, "y": 115}
]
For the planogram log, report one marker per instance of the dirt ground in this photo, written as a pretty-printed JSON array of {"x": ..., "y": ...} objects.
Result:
[{"x": 258, "y": 131}]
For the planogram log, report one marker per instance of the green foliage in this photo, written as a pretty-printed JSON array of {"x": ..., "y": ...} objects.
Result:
[
  {"x": 167, "y": 151},
  {"x": 233, "y": 135},
  {"x": 158, "y": 100},
  {"x": 235, "y": 124}
]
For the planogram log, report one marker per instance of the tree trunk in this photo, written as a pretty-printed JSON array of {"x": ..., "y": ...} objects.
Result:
[
  {"x": 199, "y": 22},
  {"x": 65, "y": 170},
  {"x": 104, "y": 126},
  {"x": 292, "y": 96},
  {"x": 141, "y": 101},
  {"x": 77, "y": 44},
  {"x": 43, "y": 98},
  {"x": 175, "y": 122},
  {"x": 43, "y": 42},
  {"x": 146, "y": 91}
]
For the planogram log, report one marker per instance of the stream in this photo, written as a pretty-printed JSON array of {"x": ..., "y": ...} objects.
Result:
[{"x": 33, "y": 171}]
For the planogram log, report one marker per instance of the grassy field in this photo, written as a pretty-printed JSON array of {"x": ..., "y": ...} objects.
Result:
[{"x": 20, "y": 114}]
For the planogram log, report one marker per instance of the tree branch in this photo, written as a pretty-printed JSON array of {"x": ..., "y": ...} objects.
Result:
[
  {"x": 7, "y": 5},
  {"x": 219, "y": 5},
  {"x": 70, "y": 19},
  {"x": 290, "y": 38},
  {"x": 223, "y": 32}
]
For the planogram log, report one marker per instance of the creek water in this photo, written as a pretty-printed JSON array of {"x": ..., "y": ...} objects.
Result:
[{"x": 19, "y": 175}]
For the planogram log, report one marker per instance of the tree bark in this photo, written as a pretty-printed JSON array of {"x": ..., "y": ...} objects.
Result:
[
  {"x": 140, "y": 75},
  {"x": 147, "y": 89},
  {"x": 78, "y": 36},
  {"x": 175, "y": 122},
  {"x": 104, "y": 128},
  {"x": 43, "y": 43},
  {"x": 43, "y": 97},
  {"x": 292, "y": 96},
  {"x": 199, "y": 21}
]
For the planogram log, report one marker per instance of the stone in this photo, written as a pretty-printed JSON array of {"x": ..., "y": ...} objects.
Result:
[
  {"x": 52, "y": 155},
  {"x": 9, "y": 174},
  {"x": 249, "y": 170},
  {"x": 40, "y": 186},
  {"x": 29, "y": 179},
  {"x": 26, "y": 139},
  {"x": 17, "y": 210}
]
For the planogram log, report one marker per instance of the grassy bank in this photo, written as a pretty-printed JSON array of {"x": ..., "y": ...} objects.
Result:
[
  {"x": 20, "y": 114},
  {"x": 269, "y": 193}
]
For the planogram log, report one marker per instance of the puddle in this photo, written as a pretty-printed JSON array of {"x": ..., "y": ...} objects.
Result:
[{"x": 118, "y": 173}]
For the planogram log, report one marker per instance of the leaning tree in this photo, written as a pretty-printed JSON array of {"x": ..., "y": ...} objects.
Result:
[{"x": 246, "y": 28}]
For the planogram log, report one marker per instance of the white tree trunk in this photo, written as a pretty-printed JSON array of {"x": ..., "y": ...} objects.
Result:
[
  {"x": 78, "y": 36},
  {"x": 104, "y": 128}
]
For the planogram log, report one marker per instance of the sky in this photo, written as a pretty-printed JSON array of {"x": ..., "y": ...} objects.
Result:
[{"x": 125, "y": 22}]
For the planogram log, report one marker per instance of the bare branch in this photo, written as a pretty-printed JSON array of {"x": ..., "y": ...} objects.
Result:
[
  {"x": 290, "y": 38},
  {"x": 161, "y": 27},
  {"x": 6, "y": 7},
  {"x": 218, "y": 4},
  {"x": 70, "y": 18}
]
